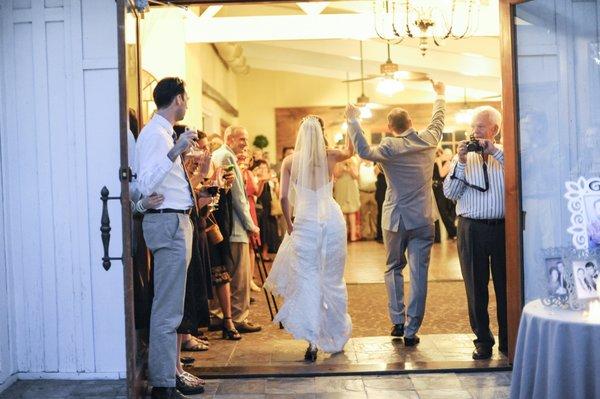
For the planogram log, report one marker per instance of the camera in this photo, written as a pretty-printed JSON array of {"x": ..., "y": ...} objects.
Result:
[{"x": 473, "y": 145}]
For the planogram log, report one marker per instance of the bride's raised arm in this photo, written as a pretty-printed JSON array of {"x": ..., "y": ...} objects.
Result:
[
  {"x": 286, "y": 167},
  {"x": 345, "y": 153}
]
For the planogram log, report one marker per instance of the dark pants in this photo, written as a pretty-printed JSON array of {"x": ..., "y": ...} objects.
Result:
[
  {"x": 447, "y": 212},
  {"x": 481, "y": 246},
  {"x": 379, "y": 198}
]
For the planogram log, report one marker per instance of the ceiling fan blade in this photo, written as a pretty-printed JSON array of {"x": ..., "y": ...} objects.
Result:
[{"x": 361, "y": 79}]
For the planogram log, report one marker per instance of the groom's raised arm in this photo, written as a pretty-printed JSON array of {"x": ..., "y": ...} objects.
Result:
[{"x": 376, "y": 153}]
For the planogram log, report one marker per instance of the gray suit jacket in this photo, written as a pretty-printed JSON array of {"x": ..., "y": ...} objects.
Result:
[
  {"x": 242, "y": 220},
  {"x": 407, "y": 161}
]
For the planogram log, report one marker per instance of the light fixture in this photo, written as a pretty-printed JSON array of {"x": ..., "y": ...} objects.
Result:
[
  {"x": 465, "y": 115},
  {"x": 396, "y": 20},
  {"x": 344, "y": 126},
  {"x": 389, "y": 86},
  {"x": 363, "y": 101}
]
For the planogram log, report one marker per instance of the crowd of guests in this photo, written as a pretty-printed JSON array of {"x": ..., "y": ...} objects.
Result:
[
  {"x": 360, "y": 188},
  {"x": 206, "y": 210}
]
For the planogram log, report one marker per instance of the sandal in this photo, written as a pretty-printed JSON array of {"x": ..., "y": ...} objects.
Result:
[
  {"x": 232, "y": 334},
  {"x": 193, "y": 345},
  {"x": 192, "y": 378}
]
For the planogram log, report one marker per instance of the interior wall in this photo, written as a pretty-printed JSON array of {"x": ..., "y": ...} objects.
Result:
[
  {"x": 203, "y": 65},
  {"x": 60, "y": 71}
]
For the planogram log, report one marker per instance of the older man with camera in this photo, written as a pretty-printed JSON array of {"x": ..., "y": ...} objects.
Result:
[{"x": 476, "y": 183}]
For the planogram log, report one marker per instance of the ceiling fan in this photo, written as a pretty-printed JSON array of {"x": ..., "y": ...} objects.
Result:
[{"x": 391, "y": 70}]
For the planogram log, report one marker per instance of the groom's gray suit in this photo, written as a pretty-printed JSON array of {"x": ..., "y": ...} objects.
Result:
[{"x": 407, "y": 218}]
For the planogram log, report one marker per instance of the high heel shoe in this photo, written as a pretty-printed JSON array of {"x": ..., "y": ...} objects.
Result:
[
  {"x": 233, "y": 334},
  {"x": 311, "y": 353}
]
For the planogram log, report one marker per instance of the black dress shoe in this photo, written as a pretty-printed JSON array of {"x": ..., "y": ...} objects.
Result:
[
  {"x": 397, "y": 330},
  {"x": 247, "y": 327},
  {"x": 167, "y": 393},
  {"x": 188, "y": 387},
  {"x": 411, "y": 341},
  {"x": 503, "y": 350},
  {"x": 481, "y": 353}
]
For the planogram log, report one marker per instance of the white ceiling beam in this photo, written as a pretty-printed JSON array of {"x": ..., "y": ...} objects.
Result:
[
  {"x": 314, "y": 8},
  {"x": 210, "y": 12},
  {"x": 294, "y": 27}
]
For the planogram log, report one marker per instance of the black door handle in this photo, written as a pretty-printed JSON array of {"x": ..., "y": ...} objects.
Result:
[{"x": 105, "y": 228}]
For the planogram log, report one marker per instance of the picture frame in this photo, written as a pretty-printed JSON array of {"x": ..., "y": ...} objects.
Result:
[
  {"x": 556, "y": 282},
  {"x": 583, "y": 202},
  {"x": 585, "y": 278}
]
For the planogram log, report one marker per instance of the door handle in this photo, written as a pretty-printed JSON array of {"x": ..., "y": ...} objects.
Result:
[{"x": 105, "y": 228}]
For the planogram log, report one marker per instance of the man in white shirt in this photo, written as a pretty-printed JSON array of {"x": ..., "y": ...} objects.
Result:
[
  {"x": 368, "y": 205},
  {"x": 236, "y": 141},
  {"x": 476, "y": 183},
  {"x": 167, "y": 231}
]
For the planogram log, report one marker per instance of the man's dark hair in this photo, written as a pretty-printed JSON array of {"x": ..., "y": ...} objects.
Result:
[
  {"x": 166, "y": 90},
  {"x": 589, "y": 264},
  {"x": 133, "y": 123},
  {"x": 257, "y": 163}
]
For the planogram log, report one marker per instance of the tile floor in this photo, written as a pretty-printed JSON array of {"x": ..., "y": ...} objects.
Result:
[{"x": 493, "y": 385}]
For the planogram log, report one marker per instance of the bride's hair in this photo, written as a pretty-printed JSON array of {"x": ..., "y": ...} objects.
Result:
[{"x": 321, "y": 123}]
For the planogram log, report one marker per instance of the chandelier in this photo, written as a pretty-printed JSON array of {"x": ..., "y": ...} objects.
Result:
[{"x": 437, "y": 20}]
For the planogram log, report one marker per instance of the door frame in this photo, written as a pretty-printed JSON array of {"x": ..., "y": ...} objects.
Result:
[{"x": 514, "y": 222}]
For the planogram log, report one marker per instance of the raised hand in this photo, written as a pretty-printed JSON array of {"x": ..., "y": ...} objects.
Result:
[
  {"x": 439, "y": 88},
  {"x": 352, "y": 111},
  {"x": 183, "y": 143}
]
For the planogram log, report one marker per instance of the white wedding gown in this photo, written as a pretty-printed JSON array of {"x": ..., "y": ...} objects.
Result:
[{"x": 308, "y": 272}]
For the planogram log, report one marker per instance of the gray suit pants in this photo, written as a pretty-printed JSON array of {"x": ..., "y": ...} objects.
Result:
[
  {"x": 169, "y": 237},
  {"x": 417, "y": 242}
]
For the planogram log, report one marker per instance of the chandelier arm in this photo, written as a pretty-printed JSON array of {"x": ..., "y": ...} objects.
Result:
[
  {"x": 467, "y": 31},
  {"x": 407, "y": 25}
]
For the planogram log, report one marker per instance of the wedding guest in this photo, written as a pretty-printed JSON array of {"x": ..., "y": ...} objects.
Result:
[
  {"x": 215, "y": 141},
  {"x": 251, "y": 189},
  {"x": 481, "y": 236},
  {"x": 270, "y": 237},
  {"x": 236, "y": 140},
  {"x": 367, "y": 180},
  {"x": 380, "y": 189},
  {"x": 198, "y": 288},
  {"x": 167, "y": 230},
  {"x": 445, "y": 206},
  {"x": 346, "y": 194}
]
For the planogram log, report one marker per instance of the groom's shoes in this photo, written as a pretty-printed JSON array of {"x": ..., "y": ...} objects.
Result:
[
  {"x": 411, "y": 341},
  {"x": 397, "y": 330}
]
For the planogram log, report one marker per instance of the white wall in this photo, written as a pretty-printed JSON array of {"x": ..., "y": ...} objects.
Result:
[{"x": 60, "y": 145}]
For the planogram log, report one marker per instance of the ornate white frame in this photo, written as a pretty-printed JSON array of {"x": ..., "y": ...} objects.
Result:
[{"x": 575, "y": 195}]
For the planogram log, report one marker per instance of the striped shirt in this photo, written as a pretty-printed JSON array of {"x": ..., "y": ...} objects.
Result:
[{"x": 470, "y": 202}]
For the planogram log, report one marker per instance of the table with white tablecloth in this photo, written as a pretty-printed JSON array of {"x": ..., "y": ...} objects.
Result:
[{"x": 557, "y": 355}]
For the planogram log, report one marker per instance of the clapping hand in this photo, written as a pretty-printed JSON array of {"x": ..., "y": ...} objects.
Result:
[{"x": 352, "y": 111}]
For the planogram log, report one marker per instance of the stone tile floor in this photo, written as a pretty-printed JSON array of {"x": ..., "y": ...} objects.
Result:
[
  {"x": 367, "y": 353},
  {"x": 492, "y": 385}
]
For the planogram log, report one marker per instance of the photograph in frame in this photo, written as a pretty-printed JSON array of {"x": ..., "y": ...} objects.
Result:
[
  {"x": 592, "y": 213},
  {"x": 557, "y": 277},
  {"x": 585, "y": 278}
]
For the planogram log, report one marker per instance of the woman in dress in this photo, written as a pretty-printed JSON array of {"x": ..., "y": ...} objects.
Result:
[
  {"x": 308, "y": 270},
  {"x": 346, "y": 193}
]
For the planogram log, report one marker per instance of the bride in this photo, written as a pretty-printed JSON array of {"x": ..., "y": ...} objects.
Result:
[{"x": 308, "y": 271}]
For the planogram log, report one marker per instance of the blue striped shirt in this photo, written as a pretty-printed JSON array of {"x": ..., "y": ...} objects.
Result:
[{"x": 470, "y": 202}]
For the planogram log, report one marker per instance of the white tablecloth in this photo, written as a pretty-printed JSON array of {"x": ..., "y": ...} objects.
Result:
[{"x": 557, "y": 355}]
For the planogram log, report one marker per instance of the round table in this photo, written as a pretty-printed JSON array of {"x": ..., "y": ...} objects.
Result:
[{"x": 557, "y": 355}]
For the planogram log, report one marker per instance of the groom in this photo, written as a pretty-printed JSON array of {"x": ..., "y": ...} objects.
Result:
[{"x": 407, "y": 160}]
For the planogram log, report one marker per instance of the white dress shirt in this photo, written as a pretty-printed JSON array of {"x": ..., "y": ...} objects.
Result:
[
  {"x": 366, "y": 177},
  {"x": 156, "y": 172},
  {"x": 472, "y": 203}
]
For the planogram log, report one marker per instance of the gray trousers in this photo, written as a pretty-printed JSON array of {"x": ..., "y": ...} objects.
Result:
[
  {"x": 169, "y": 237},
  {"x": 417, "y": 242},
  {"x": 240, "y": 285}
]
